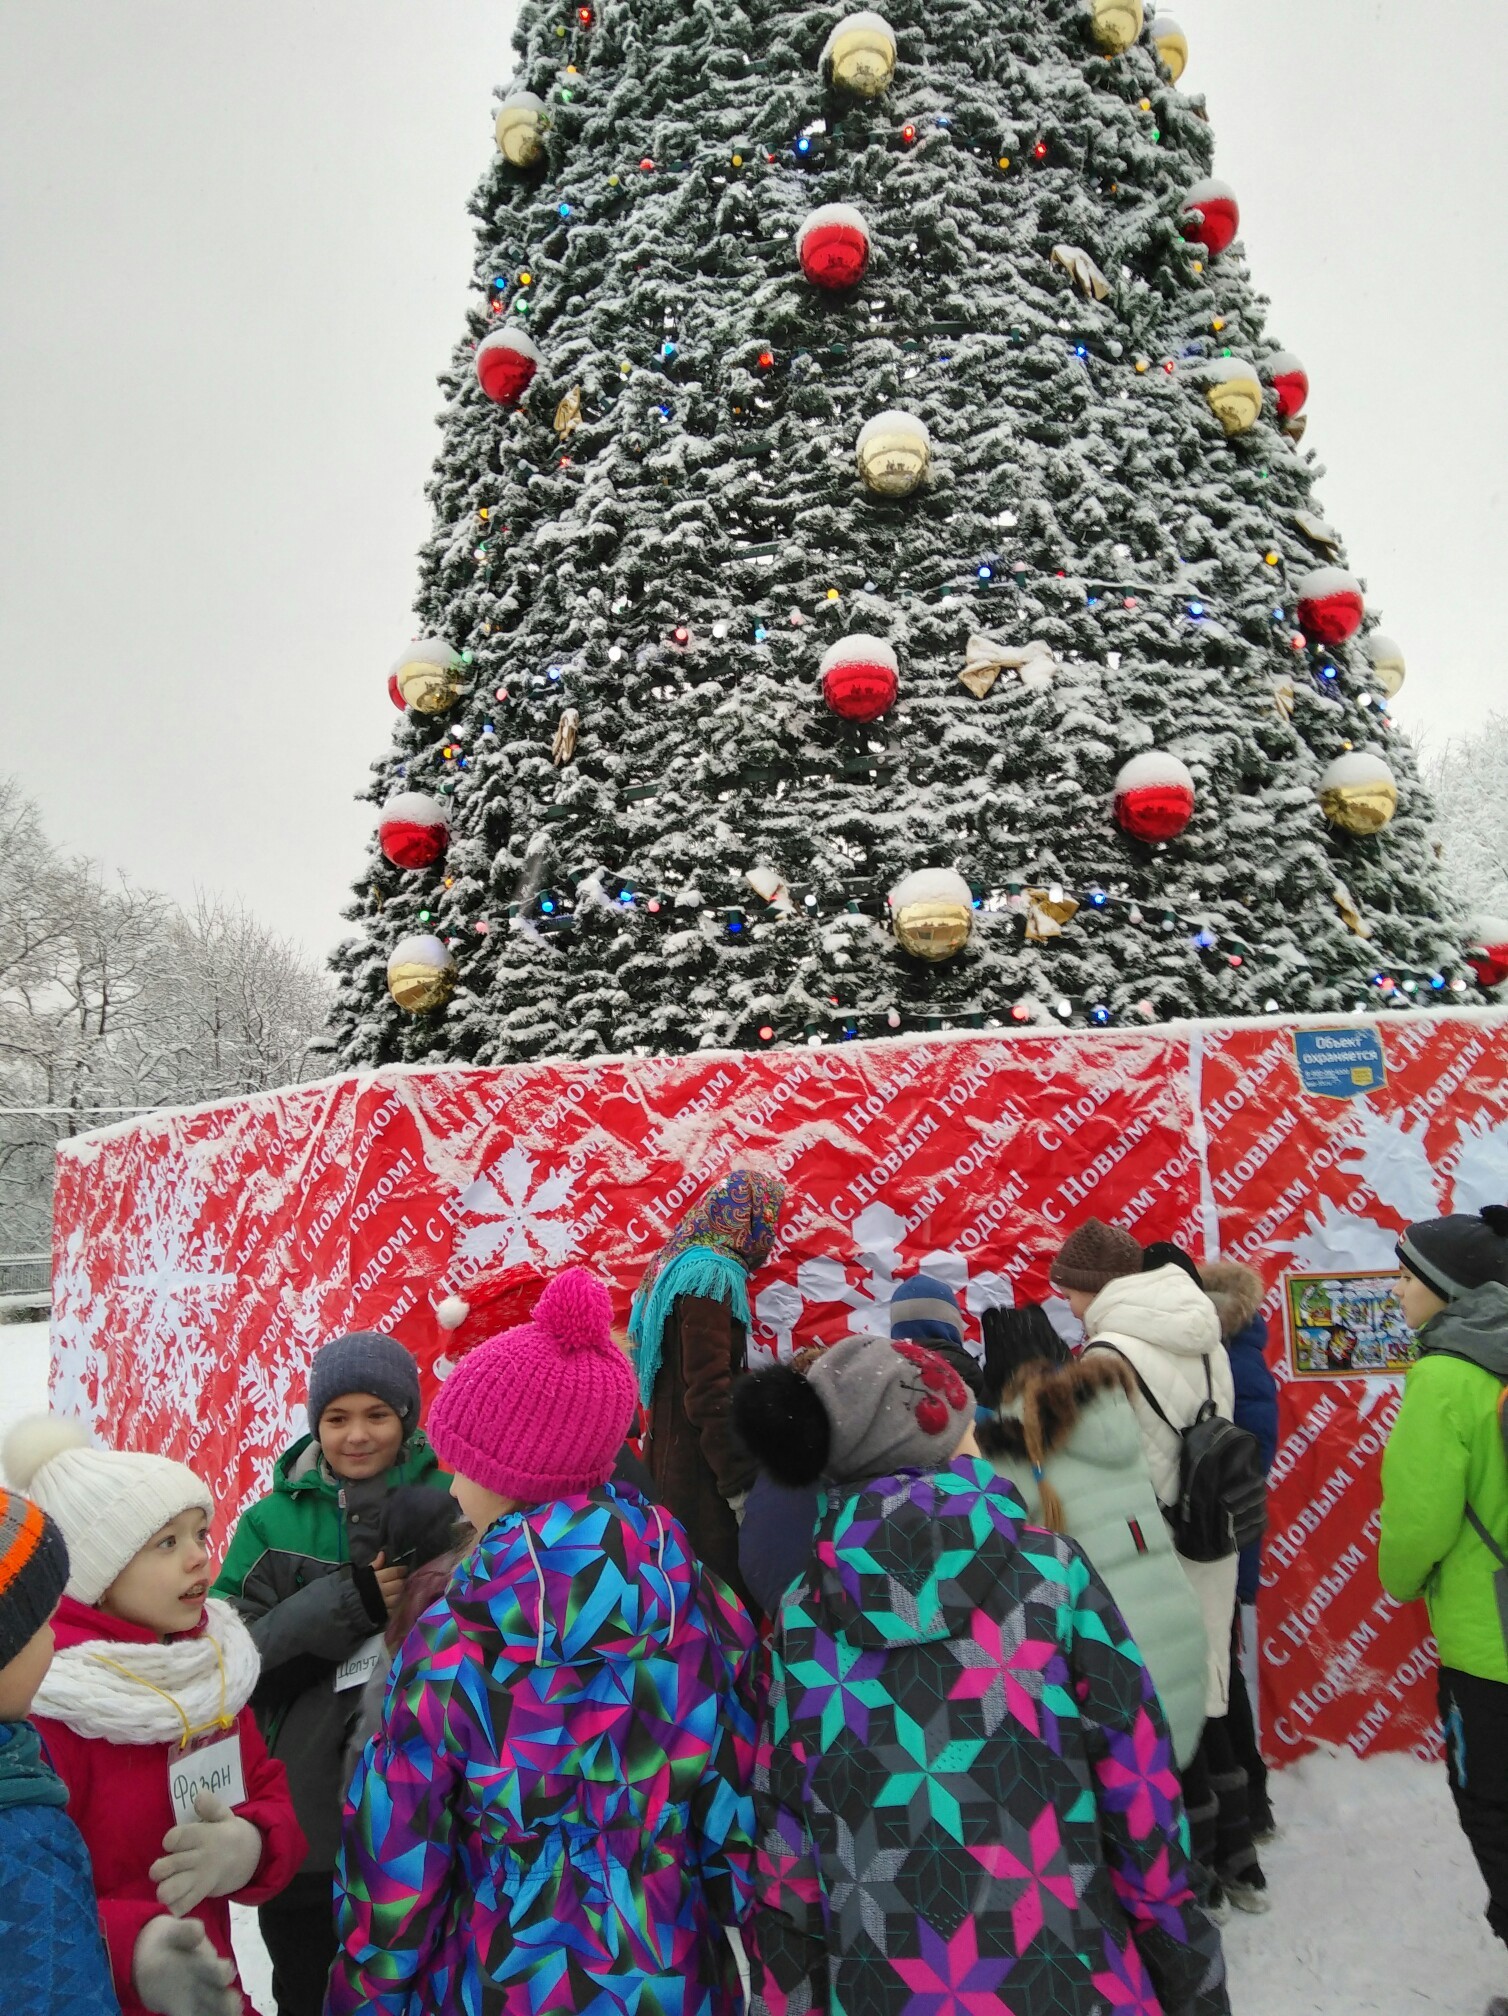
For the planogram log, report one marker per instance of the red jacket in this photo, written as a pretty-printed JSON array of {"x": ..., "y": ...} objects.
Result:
[{"x": 118, "y": 1798}]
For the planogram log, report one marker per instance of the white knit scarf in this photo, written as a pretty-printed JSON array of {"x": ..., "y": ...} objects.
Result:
[{"x": 129, "y": 1693}]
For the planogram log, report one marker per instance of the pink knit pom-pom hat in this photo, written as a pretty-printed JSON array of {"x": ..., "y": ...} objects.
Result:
[{"x": 540, "y": 1412}]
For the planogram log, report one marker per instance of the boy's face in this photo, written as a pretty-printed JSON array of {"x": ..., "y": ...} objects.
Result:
[
  {"x": 20, "y": 1680},
  {"x": 1419, "y": 1302},
  {"x": 360, "y": 1435},
  {"x": 164, "y": 1586}
]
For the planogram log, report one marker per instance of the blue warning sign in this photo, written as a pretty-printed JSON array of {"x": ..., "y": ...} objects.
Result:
[{"x": 1340, "y": 1063}]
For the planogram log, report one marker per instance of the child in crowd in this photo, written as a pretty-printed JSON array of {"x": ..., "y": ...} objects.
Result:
[
  {"x": 145, "y": 1714},
  {"x": 966, "y": 1793},
  {"x": 308, "y": 1573},
  {"x": 689, "y": 1327},
  {"x": 1445, "y": 1512},
  {"x": 554, "y": 1814},
  {"x": 52, "y": 1958}
]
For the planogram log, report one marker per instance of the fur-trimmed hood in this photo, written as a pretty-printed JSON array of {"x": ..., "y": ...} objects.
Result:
[
  {"x": 1043, "y": 1404},
  {"x": 1236, "y": 1291}
]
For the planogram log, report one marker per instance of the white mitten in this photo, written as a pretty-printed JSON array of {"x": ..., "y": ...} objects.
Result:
[
  {"x": 176, "y": 1972},
  {"x": 213, "y": 1856}
]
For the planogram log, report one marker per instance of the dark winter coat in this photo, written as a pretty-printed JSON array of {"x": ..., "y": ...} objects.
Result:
[
  {"x": 693, "y": 1457},
  {"x": 965, "y": 1794},
  {"x": 555, "y": 1815},
  {"x": 1237, "y": 1294},
  {"x": 775, "y": 1539},
  {"x": 1075, "y": 1422},
  {"x": 52, "y": 1952},
  {"x": 299, "y": 1571}
]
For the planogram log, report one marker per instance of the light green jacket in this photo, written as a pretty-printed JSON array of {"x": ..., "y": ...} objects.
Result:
[
  {"x": 1445, "y": 1453},
  {"x": 1079, "y": 1419}
]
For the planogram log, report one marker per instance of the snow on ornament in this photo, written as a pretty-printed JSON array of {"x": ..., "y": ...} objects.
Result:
[
  {"x": 860, "y": 677},
  {"x": 505, "y": 365},
  {"x": 1114, "y": 25},
  {"x": 421, "y": 974},
  {"x": 1386, "y": 660},
  {"x": 833, "y": 247},
  {"x": 520, "y": 129},
  {"x": 1233, "y": 392},
  {"x": 1487, "y": 950},
  {"x": 860, "y": 54},
  {"x": 428, "y": 675},
  {"x": 1211, "y": 216},
  {"x": 1330, "y": 606},
  {"x": 1154, "y": 796},
  {"x": 895, "y": 453},
  {"x": 1358, "y": 793},
  {"x": 412, "y": 831},
  {"x": 1171, "y": 44},
  {"x": 932, "y": 911},
  {"x": 1290, "y": 383}
]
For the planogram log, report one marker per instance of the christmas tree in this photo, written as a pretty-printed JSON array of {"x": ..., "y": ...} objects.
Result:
[{"x": 875, "y": 581}]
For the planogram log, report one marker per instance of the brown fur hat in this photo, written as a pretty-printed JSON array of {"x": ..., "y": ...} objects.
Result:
[
  {"x": 1045, "y": 1402},
  {"x": 1236, "y": 1291}
]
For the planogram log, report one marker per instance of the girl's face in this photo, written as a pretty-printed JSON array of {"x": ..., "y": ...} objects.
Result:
[
  {"x": 1419, "y": 1302},
  {"x": 1078, "y": 1300},
  {"x": 482, "y": 1507},
  {"x": 164, "y": 1586},
  {"x": 360, "y": 1436}
]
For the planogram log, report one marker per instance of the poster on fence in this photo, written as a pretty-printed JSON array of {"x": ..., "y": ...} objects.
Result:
[{"x": 201, "y": 1257}]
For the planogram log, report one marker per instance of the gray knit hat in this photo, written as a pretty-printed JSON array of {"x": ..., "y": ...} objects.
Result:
[
  {"x": 1456, "y": 1254},
  {"x": 892, "y": 1406},
  {"x": 365, "y": 1362},
  {"x": 1094, "y": 1256}
]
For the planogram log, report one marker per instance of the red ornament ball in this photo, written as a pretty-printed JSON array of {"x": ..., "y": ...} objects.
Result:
[
  {"x": 1154, "y": 796},
  {"x": 1219, "y": 217},
  {"x": 395, "y": 693},
  {"x": 833, "y": 247},
  {"x": 412, "y": 831},
  {"x": 1331, "y": 606},
  {"x": 860, "y": 678},
  {"x": 1487, "y": 955},
  {"x": 505, "y": 365},
  {"x": 1290, "y": 383}
]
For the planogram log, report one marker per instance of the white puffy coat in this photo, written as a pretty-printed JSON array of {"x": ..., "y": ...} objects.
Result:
[{"x": 1168, "y": 1328}]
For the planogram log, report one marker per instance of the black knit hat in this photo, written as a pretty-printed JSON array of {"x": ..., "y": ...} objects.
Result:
[
  {"x": 33, "y": 1572},
  {"x": 1456, "y": 1254},
  {"x": 363, "y": 1361}
]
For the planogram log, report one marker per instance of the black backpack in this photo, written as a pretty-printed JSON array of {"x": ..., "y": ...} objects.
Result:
[{"x": 1222, "y": 1491}]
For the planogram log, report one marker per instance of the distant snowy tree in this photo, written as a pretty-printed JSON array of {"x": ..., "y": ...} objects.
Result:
[{"x": 1468, "y": 777}]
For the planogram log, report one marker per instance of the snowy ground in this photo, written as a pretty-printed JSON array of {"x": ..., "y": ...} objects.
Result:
[{"x": 1376, "y": 1901}]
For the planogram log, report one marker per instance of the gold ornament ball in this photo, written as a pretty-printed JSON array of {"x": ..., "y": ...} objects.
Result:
[
  {"x": 1358, "y": 793},
  {"x": 895, "y": 453},
  {"x": 1172, "y": 45},
  {"x": 1115, "y": 25},
  {"x": 520, "y": 129},
  {"x": 1386, "y": 658},
  {"x": 1234, "y": 393},
  {"x": 933, "y": 914},
  {"x": 421, "y": 974},
  {"x": 429, "y": 675},
  {"x": 861, "y": 55}
]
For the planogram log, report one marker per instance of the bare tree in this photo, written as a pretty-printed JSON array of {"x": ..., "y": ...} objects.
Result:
[
  {"x": 1468, "y": 777},
  {"x": 112, "y": 999}
]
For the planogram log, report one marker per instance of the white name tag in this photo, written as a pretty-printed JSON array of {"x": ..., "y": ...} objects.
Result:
[
  {"x": 214, "y": 1767},
  {"x": 361, "y": 1665}
]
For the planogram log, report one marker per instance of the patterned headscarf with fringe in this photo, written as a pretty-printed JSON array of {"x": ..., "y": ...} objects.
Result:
[{"x": 712, "y": 1252}]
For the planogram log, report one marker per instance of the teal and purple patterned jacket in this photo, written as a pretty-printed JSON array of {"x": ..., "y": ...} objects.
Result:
[
  {"x": 555, "y": 1814},
  {"x": 965, "y": 1790}
]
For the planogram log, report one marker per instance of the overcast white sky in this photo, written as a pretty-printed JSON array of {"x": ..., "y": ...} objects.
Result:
[{"x": 236, "y": 253}]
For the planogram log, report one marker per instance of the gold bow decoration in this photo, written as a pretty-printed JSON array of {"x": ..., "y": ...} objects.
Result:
[
  {"x": 1284, "y": 698},
  {"x": 1322, "y": 536},
  {"x": 1351, "y": 916},
  {"x": 1047, "y": 911},
  {"x": 985, "y": 658},
  {"x": 568, "y": 414},
  {"x": 766, "y": 883},
  {"x": 563, "y": 748},
  {"x": 1086, "y": 276}
]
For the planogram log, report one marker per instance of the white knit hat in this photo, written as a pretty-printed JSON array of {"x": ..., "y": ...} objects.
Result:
[{"x": 108, "y": 1503}]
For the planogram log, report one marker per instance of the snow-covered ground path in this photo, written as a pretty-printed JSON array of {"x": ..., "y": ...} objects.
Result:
[{"x": 1377, "y": 1902}]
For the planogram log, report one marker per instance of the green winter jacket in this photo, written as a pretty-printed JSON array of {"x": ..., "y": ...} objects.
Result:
[
  {"x": 1445, "y": 1453},
  {"x": 1077, "y": 1423},
  {"x": 297, "y": 1569}
]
